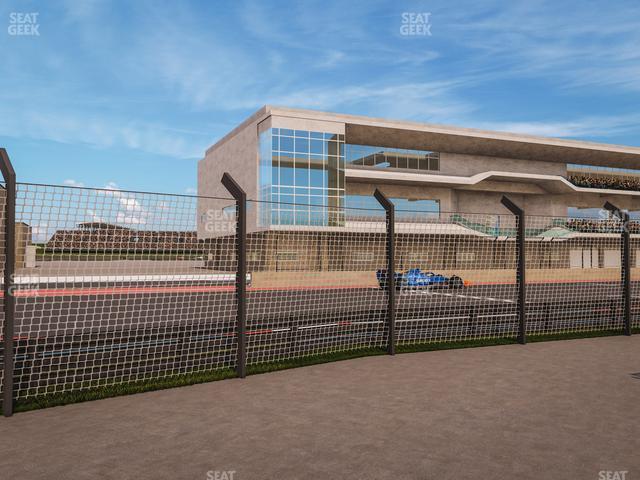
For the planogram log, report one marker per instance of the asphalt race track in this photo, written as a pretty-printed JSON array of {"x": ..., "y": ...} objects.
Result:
[{"x": 89, "y": 334}]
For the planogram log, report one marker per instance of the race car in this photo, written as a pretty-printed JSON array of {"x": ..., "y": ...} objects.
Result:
[{"x": 415, "y": 278}]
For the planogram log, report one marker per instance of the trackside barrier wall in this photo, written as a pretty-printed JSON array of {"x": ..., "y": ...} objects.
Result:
[
  {"x": 8, "y": 241},
  {"x": 390, "y": 217},
  {"x": 139, "y": 286},
  {"x": 241, "y": 265},
  {"x": 520, "y": 269}
]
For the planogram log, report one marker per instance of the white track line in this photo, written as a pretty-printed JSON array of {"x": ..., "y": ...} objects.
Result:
[
  {"x": 36, "y": 279},
  {"x": 458, "y": 295}
]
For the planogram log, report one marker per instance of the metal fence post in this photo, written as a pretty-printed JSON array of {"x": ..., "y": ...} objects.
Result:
[
  {"x": 391, "y": 268},
  {"x": 241, "y": 269},
  {"x": 9, "y": 175},
  {"x": 625, "y": 273},
  {"x": 521, "y": 267}
]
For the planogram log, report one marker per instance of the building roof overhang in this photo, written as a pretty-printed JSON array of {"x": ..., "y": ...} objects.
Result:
[{"x": 420, "y": 136}]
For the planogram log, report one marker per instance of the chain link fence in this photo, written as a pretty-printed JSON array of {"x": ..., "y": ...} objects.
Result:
[
  {"x": 110, "y": 288},
  {"x": 113, "y": 287}
]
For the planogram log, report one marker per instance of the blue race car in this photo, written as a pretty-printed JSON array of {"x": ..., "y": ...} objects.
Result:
[{"x": 416, "y": 278}]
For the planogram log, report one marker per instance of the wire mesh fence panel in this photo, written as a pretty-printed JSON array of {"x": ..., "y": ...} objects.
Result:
[
  {"x": 573, "y": 274},
  {"x": 114, "y": 286},
  {"x": 455, "y": 277},
  {"x": 314, "y": 280},
  {"x": 3, "y": 198},
  {"x": 634, "y": 230}
]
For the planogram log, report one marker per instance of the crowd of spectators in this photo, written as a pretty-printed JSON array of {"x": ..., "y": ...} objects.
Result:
[
  {"x": 589, "y": 225},
  {"x": 610, "y": 182},
  {"x": 104, "y": 237}
]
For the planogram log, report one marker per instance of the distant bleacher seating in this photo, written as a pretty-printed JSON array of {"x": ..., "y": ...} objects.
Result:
[
  {"x": 608, "y": 182},
  {"x": 587, "y": 225},
  {"x": 105, "y": 237}
]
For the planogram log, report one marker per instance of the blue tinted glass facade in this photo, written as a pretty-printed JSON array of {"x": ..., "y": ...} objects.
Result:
[
  {"x": 302, "y": 177},
  {"x": 367, "y": 156},
  {"x": 301, "y": 173},
  {"x": 405, "y": 209}
]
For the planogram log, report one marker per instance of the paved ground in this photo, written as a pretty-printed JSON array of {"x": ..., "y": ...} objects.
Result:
[{"x": 548, "y": 410}]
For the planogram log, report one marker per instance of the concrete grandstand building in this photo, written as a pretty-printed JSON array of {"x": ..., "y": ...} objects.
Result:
[{"x": 309, "y": 171}]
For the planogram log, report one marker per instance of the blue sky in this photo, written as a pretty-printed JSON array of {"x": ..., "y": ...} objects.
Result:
[{"x": 131, "y": 93}]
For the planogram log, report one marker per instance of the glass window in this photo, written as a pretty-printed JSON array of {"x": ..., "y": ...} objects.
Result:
[
  {"x": 300, "y": 173},
  {"x": 575, "y": 212},
  {"x": 316, "y": 146},
  {"x": 301, "y": 161},
  {"x": 301, "y": 176},
  {"x": 302, "y": 145},
  {"x": 405, "y": 208},
  {"x": 286, "y": 159},
  {"x": 317, "y": 216},
  {"x": 285, "y": 218},
  {"x": 286, "y": 175},
  {"x": 317, "y": 200},
  {"x": 286, "y": 144},
  {"x": 302, "y": 216},
  {"x": 316, "y": 178},
  {"x": 382, "y": 157},
  {"x": 332, "y": 148},
  {"x": 286, "y": 199}
]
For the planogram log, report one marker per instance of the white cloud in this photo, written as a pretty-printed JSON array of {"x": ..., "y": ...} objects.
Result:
[
  {"x": 104, "y": 132},
  {"x": 130, "y": 211},
  {"x": 585, "y": 45},
  {"x": 589, "y": 126},
  {"x": 72, "y": 183},
  {"x": 427, "y": 101},
  {"x": 41, "y": 232}
]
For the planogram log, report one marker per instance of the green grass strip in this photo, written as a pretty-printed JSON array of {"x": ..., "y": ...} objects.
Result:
[
  {"x": 108, "y": 391},
  {"x": 313, "y": 360},
  {"x": 433, "y": 346},
  {"x": 550, "y": 337},
  {"x": 129, "y": 388}
]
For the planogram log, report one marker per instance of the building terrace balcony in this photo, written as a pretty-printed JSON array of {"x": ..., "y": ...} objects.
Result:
[{"x": 604, "y": 178}]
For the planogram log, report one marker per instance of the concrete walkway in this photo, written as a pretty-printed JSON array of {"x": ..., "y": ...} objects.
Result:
[{"x": 557, "y": 410}]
